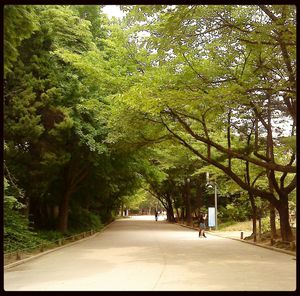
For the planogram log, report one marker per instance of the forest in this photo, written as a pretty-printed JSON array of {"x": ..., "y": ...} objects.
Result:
[{"x": 102, "y": 114}]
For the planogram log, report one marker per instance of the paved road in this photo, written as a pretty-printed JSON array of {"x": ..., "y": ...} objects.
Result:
[{"x": 144, "y": 255}]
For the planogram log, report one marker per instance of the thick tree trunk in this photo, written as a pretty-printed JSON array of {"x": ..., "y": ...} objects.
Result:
[
  {"x": 285, "y": 228},
  {"x": 183, "y": 208},
  {"x": 63, "y": 212},
  {"x": 273, "y": 222},
  {"x": 178, "y": 216},
  {"x": 74, "y": 174},
  {"x": 170, "y": 211},
  {"x": 122, "y": 209},
  {"x": 254, "y": 226},
  {"x": 182, "y": 214},
  {"x": 170, "y": 215},
  {"x": 259, "y": 225},
  {"x": 254, "y": 215}
]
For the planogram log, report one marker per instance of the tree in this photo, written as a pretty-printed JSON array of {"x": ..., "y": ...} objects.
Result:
[
  {"x": 217, "y": 68},
  {"x": 19, "y": 24}
]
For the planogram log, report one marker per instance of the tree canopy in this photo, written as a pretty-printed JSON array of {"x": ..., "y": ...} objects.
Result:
[{"x": 96, "y": 108}]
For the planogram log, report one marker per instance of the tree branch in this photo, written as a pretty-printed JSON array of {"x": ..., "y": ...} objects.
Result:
[
  {"x": 258, "y": 192},
  {"x": 272, "y": 166}
]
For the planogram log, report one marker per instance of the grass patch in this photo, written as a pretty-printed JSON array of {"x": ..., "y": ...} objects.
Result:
[{"x": 235, "y": 226}]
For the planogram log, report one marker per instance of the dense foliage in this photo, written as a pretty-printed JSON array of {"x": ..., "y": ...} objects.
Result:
[
  {"x": 100, "y": 114},
  {"x": 222, "y": 82}
]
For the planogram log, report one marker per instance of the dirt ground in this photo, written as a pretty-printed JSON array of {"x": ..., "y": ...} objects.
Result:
[{"x": 278, "y": 243}]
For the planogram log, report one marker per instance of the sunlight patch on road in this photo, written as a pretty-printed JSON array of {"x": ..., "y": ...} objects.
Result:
[{"x": 148, "y": 217}]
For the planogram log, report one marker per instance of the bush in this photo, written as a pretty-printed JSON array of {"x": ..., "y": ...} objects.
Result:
[
  {"x": 82, "y": 220},
  {"x": 50, "y": 235},
  {"x": 265, "y": 224},
  {"x": 17, "y": 234},
  {"x": 107, "y": 216},
  {"x": 232, "y": 213}
]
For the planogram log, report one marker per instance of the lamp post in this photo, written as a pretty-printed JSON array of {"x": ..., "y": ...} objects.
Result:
[
  {"x": 209, "y": 185},
  {"x": 216, "y": 205}
]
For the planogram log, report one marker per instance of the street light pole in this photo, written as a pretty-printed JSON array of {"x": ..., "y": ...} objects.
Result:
[
  {"x": 216, "y": 207},
  {"x": 210, "y": 185}
]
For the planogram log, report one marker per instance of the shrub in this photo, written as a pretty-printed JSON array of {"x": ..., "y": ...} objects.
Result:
[
  {"x": 82, "y": 220},
  {"x": 17, "y": 234},
  {"x": 265, "y": 224},
  {"x": 232, "y": 212}
]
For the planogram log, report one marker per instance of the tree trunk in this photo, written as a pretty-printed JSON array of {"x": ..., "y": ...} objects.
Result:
[
  {"x": 259, "y": 224},
  {"x": 188, "y": 204},
  {"x": 254, "y": 215},
  {"x": 273, "y": 222},
  {"x": 199, "y": 197},
  {"x": 285, "y": 228},
  {"x": 182, "y": 215},
  {"x": 122, "y": 209},
  {"x": 170, "y": 212},
  {"x": 170, "y": 215},
  {"x": 74, "y": 174},
  {"x": 177, "y": 212},
  {"x": 63, "y": 212}
]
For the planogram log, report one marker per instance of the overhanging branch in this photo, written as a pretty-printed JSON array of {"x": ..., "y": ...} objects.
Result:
[{"x": 229, "y": 152}]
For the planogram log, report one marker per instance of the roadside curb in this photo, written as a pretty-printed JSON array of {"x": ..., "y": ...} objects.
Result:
[
  {"x": 247, "y": 242},
  {"x": 55, "y": 249},
  {"x": 258, "y": 245}
]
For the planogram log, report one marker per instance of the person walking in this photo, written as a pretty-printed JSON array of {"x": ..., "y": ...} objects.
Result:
[{"x": 202, "y": 225}]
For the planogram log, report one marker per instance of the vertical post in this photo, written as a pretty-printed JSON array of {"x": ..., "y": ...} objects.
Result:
[
  {"x": 216, "y": 206},
  {"x": 207, "y": 177}
]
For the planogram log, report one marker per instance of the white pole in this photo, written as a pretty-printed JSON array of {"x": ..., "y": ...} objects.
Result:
[
  {"x": 207, "y": 177},
  {"x": 216, "y": 207}
]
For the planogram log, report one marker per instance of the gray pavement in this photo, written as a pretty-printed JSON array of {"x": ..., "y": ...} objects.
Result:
[{"x": 140, "y": 254}]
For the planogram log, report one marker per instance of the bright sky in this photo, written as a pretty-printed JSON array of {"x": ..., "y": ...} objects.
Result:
[{"x": 113, "y": 10}]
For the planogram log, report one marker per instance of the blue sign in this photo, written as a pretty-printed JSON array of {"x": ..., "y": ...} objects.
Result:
[{"x": 211, "y": 217}]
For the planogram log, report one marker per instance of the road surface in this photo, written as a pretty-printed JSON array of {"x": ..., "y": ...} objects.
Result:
[{"x": 140, "y": 254}]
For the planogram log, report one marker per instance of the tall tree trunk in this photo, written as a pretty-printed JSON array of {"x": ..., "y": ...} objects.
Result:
[
  {"x": 188, "y": 203},
  {"x": 199, "y": 196},
  {"x": 64, "y": 211},
  {"x": 177, "y": 212},
  {"x": 170, "y": 211},
  {"x": 272, "y": 221},
  {"x": 270, "y": 156},
  {"x": 259, "y": 224},
  {"x": 254, "y": 215},
  {"x": 170, "y": 215},
  {"x": 272, "y": 210},
  {"x": 285, "y": 227},
  {"x": 182, "y": 214},
  {"x": 183, "y": 208},
  {"x": 74, "y": 174},
  {"x": 122, "y": 209}
]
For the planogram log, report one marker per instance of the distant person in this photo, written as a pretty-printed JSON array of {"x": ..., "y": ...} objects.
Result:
[
  {"x": 156, "y": 215},
  {"x": 202, "y": 225}
]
